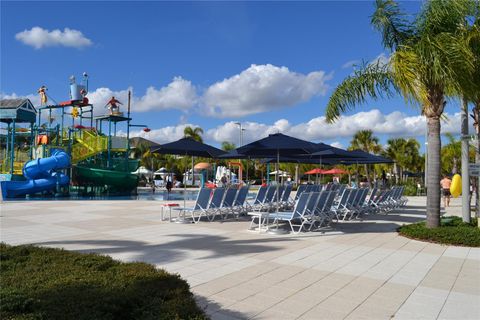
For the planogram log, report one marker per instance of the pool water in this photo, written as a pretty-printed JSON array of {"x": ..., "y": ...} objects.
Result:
[{"x": 176, "y": 195}]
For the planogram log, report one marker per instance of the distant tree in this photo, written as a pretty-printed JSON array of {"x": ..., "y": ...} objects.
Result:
[
  {"x": 194, "y": 133},
  {"x": 366, "y": 141},
  {"x": 451, "y": 154},
  {"x": 228, "y": 146}
]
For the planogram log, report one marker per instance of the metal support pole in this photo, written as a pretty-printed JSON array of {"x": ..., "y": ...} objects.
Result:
[
  {"x": 465, "y": 163},
  {"x": 109, "y": 141},
  {"x": 7, "y": 147},
  {"x": 12, "y": 147},
  {"x": 32, "y": 138}
]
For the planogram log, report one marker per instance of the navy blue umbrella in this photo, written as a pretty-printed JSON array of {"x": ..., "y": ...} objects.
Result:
[
  {"x": 275, "y": 145},
  {"x": 361, "y": 157},
  {"x": 189, "y": 147}
]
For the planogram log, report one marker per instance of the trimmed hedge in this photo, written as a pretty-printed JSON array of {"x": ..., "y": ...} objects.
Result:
[
  {"x": 451, "y": 231},
  {"x": 42, "y": 283}
]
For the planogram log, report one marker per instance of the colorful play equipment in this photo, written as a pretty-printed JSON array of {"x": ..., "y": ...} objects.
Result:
[
  {"x": 456, "y": 186},
  {"x": 42, "y": 175},
  {"x": 98, "y": 159}
]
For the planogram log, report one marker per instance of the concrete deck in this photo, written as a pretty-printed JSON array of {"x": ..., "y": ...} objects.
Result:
[{"x": 359, "y": 270}]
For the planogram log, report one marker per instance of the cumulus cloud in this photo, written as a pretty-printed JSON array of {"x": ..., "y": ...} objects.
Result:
[
  {"x": 179, "y": 94},
  {"x": 350, "y": 64},
  {"x": 38, "y": 38},
  {"x": 262, "y": 88},
  {"x": 317, "y": 129},
  {"x": 162, "y": 135},
  {"x": 381, "y": 59}
]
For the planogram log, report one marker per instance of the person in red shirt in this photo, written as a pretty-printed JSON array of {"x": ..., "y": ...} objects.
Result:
[{"x": 112, "y": 105}]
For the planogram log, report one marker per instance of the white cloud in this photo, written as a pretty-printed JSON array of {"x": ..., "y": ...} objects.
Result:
[
  {"x": 38, "y": 38},
  {"x": 394, "y": 124},
  {"x": 162, "y": 135},
  {"x": 179, "y": 94},
  {"x": 262, "y": 88},
  {"x": 350, "y": 64},
  {"x": 381, "y": 59}
]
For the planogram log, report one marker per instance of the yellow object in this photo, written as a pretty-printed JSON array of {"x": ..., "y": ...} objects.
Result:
[
  {"x": 456, "y": 186},
  {"x": 75, "y": 112}
]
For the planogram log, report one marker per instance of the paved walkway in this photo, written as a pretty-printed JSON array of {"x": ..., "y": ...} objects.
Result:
[{"x": 360, "y": 270}]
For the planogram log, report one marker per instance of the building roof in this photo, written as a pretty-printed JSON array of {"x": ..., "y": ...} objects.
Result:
[{"x": 18, "y": 110}]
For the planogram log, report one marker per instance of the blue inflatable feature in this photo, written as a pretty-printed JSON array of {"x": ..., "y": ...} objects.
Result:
[{"x": 41, "y": 176}]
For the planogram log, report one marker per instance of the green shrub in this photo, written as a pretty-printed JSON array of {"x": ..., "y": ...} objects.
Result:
[
  {"x": 451, "y": 231},
  {"x": 41, "y": 283}
]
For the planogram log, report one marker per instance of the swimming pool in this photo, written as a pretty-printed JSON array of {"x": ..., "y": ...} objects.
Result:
[{"x": 159, "y": 195}]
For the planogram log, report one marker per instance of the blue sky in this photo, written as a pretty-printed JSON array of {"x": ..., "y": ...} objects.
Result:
[{"x": 270, "y": 65}]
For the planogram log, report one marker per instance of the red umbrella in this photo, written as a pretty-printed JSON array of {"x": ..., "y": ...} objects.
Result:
[
  {"x": 335, "y": 171},
  {"x": 316, "y": 171}
]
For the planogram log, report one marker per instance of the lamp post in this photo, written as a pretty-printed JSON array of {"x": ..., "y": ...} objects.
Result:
[{"x": 239, "y": 124}]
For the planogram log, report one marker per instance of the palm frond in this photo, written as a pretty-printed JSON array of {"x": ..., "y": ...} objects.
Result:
[
  {"x": 392, "y": 23},
  {"x": 371, "y": 80}
]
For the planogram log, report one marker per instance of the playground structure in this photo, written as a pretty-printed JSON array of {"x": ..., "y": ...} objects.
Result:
[{"x": 98, "y": 159}]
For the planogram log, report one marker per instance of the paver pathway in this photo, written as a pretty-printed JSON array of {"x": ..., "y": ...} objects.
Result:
[{"x": 359, "y": 270}]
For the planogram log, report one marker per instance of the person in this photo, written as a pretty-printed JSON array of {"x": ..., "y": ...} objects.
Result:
[
  {"x": 223, "y": 180},
  {"x": 445, "y": 183},
  {"x": 384, "y": 178},
  {"x": 169, "y": 185},
  {"x": 336, "y": 180},
  {"x": 112, "y": 105},
  {"x": 264, "y": 183}
]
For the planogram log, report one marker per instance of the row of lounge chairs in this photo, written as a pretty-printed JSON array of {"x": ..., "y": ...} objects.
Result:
[
  {"x": 218, "y": 202},
  {"x": 318, "y": 209},
  {"x": 314, "y": 206}
]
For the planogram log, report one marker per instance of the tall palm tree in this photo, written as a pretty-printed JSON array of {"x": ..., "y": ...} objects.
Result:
[
  {"x": 194, "y": 133},
  {"x": 428, "y": 62},
  {"x": 366, "y": 141}
]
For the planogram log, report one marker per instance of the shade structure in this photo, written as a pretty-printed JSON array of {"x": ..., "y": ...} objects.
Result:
[
  {"x": 276, "y": 145},
  {"x": 188, "y": 147},
  {"x": 362, "y": 157},
  {"x": 233, "y": 155},
  {"x": 335, "y": 171},
  {"x": 316, "y": 171}
]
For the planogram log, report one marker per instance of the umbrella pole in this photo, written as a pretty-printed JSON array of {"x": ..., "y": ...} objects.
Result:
[
  {"x": 182, "y": 219},
  {"x": 277, "y": 230}
]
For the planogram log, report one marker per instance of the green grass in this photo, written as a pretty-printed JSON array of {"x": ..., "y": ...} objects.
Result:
[
  {"x": 41, "y": 283},
  {"x": 452, "y": 231}
]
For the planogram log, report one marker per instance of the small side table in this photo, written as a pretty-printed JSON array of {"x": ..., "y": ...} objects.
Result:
[{"x": 169, "y": 206}]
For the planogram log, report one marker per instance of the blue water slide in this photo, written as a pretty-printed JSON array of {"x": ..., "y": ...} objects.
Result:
[{"x": 41, "y": 176}]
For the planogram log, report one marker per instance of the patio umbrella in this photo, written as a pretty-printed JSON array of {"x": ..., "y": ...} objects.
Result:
[
  {"x": 335, "y": 171},
  {"x": 315, "y": 171},
  {"x": 276, "y": 145},
  {"x": 187, "y": 147}
]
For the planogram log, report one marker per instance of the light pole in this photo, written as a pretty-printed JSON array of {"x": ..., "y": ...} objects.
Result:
[{"x": 239, "y": 124}]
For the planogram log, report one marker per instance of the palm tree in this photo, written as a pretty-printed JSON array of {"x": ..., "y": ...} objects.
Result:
[
  {"x": 228, "y": 146},
  {"x": 451, "y": 153},
  {"x": 366, "y": 141},
  {"x": 394, "y": 151},
  {"x": 428, "y": 62},
  {"x": 194, "y": 133}
]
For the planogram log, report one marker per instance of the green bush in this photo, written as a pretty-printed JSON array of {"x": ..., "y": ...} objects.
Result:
[
  {"x": 451, "y": 231},
  {"x": 41, "y": 283}
]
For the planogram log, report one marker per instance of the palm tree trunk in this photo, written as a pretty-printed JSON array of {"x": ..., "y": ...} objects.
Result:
[
  {"x": 465, "y": 162},
  {"x": 476, "y": 116},
  {"x": 433, "y": 167},
  {"x": 396, "y": 168}
]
